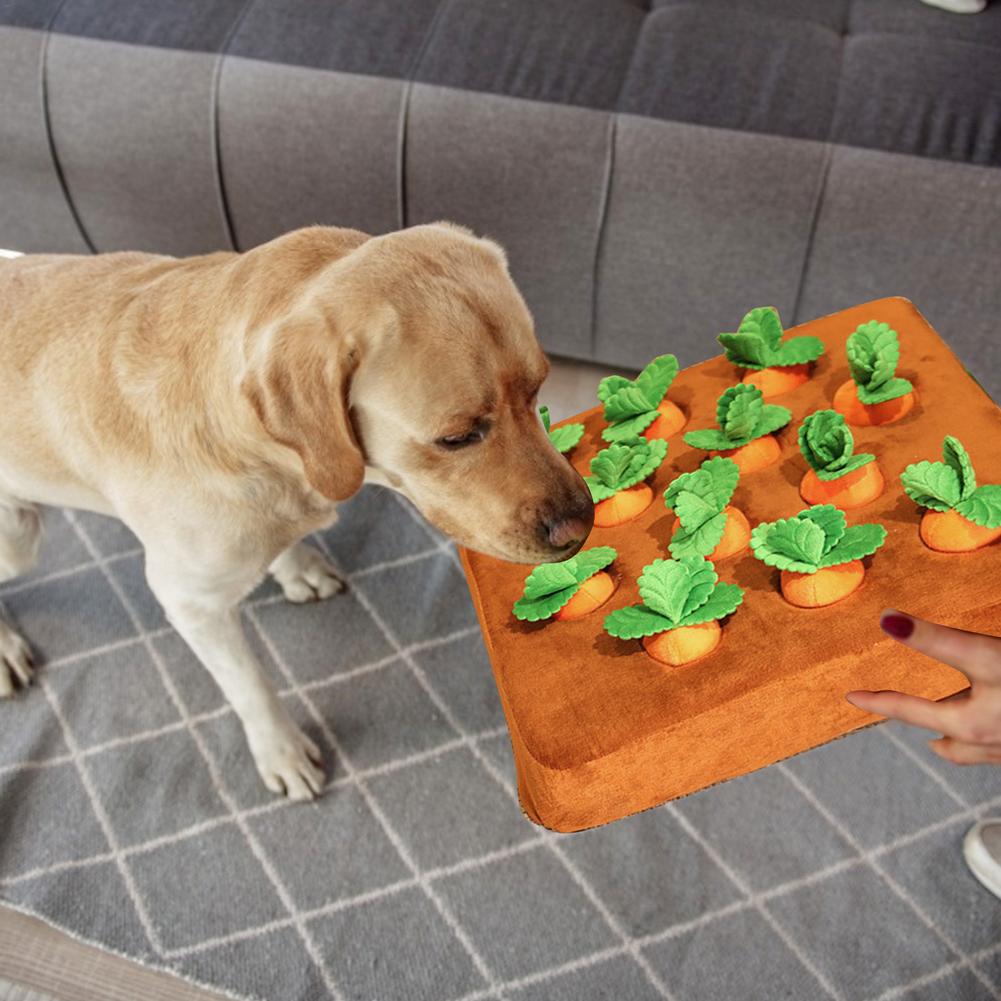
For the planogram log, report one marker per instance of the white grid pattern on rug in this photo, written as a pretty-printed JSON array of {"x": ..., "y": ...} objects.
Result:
[{"x": 452, "y": 891}]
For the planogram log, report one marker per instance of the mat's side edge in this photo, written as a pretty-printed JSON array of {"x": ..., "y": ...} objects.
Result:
[
  {"x": 638, "y": 776},
  {"x": 518, "y": 748}
]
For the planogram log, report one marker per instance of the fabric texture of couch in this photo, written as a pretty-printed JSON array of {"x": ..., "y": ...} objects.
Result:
[{"x": 654, "y": 168}]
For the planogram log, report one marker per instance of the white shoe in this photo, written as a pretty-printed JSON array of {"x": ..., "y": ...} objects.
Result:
[
  {"x": 958, "y": 6},
  {"x": 982, "y": 851}
]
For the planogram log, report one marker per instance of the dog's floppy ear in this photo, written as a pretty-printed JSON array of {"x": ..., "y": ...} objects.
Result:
[{"x": 297, "y": 381}]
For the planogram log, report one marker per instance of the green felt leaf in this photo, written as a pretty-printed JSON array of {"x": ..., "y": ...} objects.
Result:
[
  {"x": 824, "y": 439},
  {"x": 610, "y": 385},
  {"x": 738, "y": 410},
  {"x": 725, "y": 475},
  {"x": 634, "y": 622},
  {"x": 798, "y": 351},
  {"x": 933, "y": 485},
  {"x": 757, "y": 338},
  {"x": 589, "y": 561},
  {"x": 624, "y": 398},
  {"x": 627, "y": 402},
  {"x": 802, "y": 539},
  {"x": 873, "y": 352},
  {"x": 983, "y": 506},
  {"x": 675, "y": 592},
  {"x": 724, "y": 600},
  {"x": 549, "y": 578},
  {"x": 958, "y": 458},
  {"x": 543, "y": 607},
  {"x": 631, "y": 427},
  {"x": 789, "y": 544},
  {"x": 758, "y": 343},
  {"x": 708, "y": 439},
  {"x": 655, "y": 380},
  {"x": 746, "y": 350},
  {"x": 857, "y": 461},
  {"x": 624, "y": 464},
  {"x": 814, "y": 538},
  {"x": 704, "y": 577},
  {"x": 550, "y": 586},
  {"x": 676, "y": 587},
  {"x": 762, "y": 322},
  {"x": 831, "y": 520},
  {"x": 599, "y": 491},
  {"x": 826, "y": 443},
  {"x": 742, "y": 417},
  {"x": 889, "y": 390},
  {"x": 611, "y": 464},
  {"x": 714, "y": 482},
  {"x": 772, "y": 418},
  {"x": 858, "y": 541},
  {"x": 698, "y": 539},
  {"x": 566, "y": 437},
  {"x": 694, "y": 509}
]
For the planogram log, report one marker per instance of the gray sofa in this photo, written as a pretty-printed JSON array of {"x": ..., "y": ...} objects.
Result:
[{"x": 653, "y": 168}]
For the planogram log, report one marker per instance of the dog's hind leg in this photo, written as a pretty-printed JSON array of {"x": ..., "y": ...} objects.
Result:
[{"x": 20, "y": 531}]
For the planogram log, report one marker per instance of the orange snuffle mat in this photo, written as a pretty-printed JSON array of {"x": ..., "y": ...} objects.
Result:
[{"x": 602, "y": 727}]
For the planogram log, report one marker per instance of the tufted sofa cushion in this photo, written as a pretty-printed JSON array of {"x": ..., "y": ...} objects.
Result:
[{"x": 653, "y": 168}]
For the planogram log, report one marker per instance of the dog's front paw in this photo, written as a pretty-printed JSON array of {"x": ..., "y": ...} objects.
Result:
[
  {"x": 15, "y": 661},
  {"x": 305, "y": 575},
  {"x": 288, "y": 761}
]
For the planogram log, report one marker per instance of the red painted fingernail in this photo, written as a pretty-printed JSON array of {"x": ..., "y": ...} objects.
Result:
[{"x": 898, "y": 626}]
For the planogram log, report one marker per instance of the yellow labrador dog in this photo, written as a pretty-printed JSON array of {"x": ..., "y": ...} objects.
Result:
[{"x": 222, "y": 405}]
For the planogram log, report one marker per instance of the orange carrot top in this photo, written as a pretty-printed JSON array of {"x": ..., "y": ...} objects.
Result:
[
  {"x": 814, "y": 539},
  {"x": 675, "y": 593},
  {"x": 551, "y": 585},
  {"x": 563, "y": 438},
  {"x": 873, "y": 354},
  {"x": 631, "y": 404},
  {"x": 951, "y": 485},
  {"x": 828, "y": 445},
  {"x": 758, "y": 343},
  {"x": 623, "y": 465},
  {"x": 742, "y": 417},
  {"x": 699, "y": 499}
]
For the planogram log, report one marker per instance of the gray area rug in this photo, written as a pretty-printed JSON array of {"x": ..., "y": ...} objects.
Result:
[{"x": 137, "y": 822}]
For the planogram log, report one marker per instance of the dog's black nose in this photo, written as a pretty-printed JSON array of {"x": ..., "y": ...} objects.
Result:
[
  {"x": 567, "y": 527},
  {"x": 565, "y": 532}
]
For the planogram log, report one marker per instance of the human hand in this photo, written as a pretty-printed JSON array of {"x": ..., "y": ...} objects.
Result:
[{"x": 970, "y": 722}]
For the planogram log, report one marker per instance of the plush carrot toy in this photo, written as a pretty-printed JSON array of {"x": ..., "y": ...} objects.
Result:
[
  {"x": 777, "y": 366},
  {"x": 820, "y": 558},
  {"x": 563, "y": 438},
  {"x": 568, "y": 590},
  {"x": 707, "y": 525},
  {"x": 874, "y": 394},
  {"x": 616, "y": 479},
  {"x": 960, "y": 516},
  {"x": 640, "y": 406},
  {"x": 682, "y": 603},
  {"x": 745, "y": 432},
  {"x": 838, "y": 474}
]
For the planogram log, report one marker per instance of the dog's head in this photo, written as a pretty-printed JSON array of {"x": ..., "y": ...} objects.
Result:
[{"x": 416, "y": 361}]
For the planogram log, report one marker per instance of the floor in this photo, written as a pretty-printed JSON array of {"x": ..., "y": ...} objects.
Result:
[
  {"x": 39, "y": 963},
  {"x": 783, "y": 862}
]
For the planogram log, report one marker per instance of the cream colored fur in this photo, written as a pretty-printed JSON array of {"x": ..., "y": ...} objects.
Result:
[{"x": 223, "y": 405}]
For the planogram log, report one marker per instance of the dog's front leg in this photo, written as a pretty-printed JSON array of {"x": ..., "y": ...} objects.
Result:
[
  {"x": 305, "y": 574},
  {"x": 207, "y": 617}
]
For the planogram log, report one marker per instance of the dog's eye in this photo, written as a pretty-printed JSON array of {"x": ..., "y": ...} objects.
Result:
[{"x": 454, "y": 441}]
